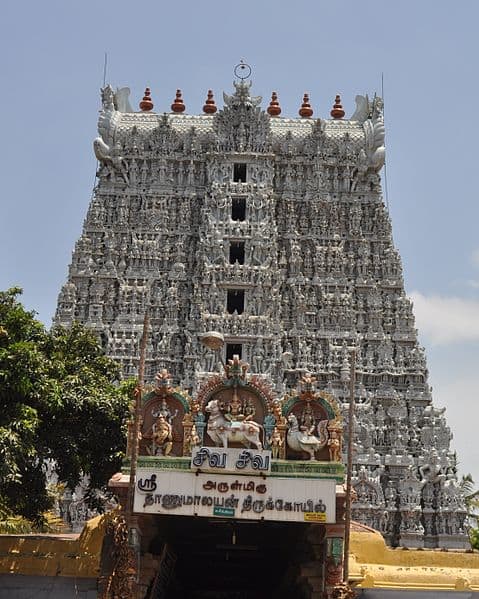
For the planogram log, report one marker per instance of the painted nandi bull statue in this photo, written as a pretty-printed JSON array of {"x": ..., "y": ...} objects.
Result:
[{"x": 223, "y": 431}]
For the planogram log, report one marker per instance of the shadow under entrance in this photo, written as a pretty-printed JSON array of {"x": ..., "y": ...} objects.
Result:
[{"x": 216, "y": 559}]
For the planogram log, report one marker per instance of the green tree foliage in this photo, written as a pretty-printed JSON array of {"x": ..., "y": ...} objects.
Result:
[
  {"x": 474, "y": 537},
  {"x": 60, "y": 400},
  {"x": 471, "y": 497}
]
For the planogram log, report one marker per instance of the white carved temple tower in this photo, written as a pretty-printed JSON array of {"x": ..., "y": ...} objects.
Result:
[{"x": 272, "y": 231}]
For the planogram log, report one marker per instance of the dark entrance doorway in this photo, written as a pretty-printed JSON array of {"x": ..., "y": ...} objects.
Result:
[{"x": 219, "y": 559}]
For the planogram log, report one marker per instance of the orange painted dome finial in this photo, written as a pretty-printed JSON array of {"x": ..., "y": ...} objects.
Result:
[
  {"x": 274, "y": 109},
  {"x": 146, "y": 104},
  {"x": 178, "y": 104},
  {"x": 209, "y": 106},
  {"x": 305, "y": 111},
  {"x": 337, "y": 112}
]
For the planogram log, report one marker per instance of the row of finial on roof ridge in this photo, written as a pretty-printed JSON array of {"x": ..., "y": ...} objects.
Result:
[{"x": 274, "y": 109}]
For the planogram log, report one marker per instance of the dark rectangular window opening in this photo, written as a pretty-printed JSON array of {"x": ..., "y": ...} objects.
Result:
[
  {"x": 235, "y": 301},
  {"x": 233, "y": 349},
  {"x": 239, "y": 172},
  {"x": 238, "y": 209},
  {"x": 237, "y": 252}
]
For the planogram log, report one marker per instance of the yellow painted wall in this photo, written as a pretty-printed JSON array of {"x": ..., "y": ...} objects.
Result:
[
  {"x": 373, "y": 564},
  {"x": 54, "y": 555}
]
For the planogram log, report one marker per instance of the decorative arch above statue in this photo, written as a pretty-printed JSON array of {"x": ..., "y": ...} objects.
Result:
[
  {"x": 314, "y": 424},
  {"x": 238, "y": 407},
  {"x": 166, "y": 419}
]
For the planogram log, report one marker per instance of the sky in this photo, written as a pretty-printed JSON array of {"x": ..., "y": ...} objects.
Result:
[{"x": 422, "y": 54}]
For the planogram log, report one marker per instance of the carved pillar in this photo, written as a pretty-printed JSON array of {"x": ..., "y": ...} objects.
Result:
[
  {"x": 333, "y": 557},
  {"x": 187, "y": 440},
  {"x": 120, "y": 563},
  {"x": 200, "y": 427}
]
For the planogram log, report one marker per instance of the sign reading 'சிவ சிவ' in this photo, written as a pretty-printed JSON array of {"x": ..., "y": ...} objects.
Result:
[
  {"x": 239, "y": 497},
  {"x": 239, "y": 461}
]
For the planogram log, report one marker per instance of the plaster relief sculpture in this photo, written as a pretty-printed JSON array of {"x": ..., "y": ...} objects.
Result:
[
  {"x": 105, "y": 155},
  {"x": 276, "y": 442},
  {"x": 303, "y": 440},
  {"x": 122, "y": 99},
  {"x": 375, "y": 134},
  {"x": 162, "y": 436},
  {"x": 334, "y": 446},
  {"x": 223, "y": 431}
]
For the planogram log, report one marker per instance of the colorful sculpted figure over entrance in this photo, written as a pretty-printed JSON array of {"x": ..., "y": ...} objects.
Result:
[{"x": 221, "y": 415}]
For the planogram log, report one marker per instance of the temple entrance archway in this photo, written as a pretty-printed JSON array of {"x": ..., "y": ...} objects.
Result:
[{"x": 234, "y": 559}]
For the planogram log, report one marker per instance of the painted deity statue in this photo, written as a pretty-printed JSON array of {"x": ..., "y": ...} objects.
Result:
[
  {"x": 193, "y": 440},
  {"x": 222, "y": 431},
  {"x": 162, "y": 436},
  {"x": 276, "y": 442},
  {"x": 303, "y": 440},
  {"x": 165, "y": 411},
  {"x": 334, "y": 447}
]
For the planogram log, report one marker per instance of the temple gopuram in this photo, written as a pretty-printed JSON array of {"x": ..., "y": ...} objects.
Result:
[{"x": 261, "y": 250}]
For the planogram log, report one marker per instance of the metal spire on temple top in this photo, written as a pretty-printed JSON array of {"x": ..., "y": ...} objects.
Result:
[
  {"x": 242, "y": 70},
  {"x": 242, "y": 95}
]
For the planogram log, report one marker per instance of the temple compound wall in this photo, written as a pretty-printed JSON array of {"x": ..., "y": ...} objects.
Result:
[{"x": 272, "y": 231}]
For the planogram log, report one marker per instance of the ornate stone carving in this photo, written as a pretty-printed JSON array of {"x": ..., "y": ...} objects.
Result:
[{"x": 288, "y": 214}]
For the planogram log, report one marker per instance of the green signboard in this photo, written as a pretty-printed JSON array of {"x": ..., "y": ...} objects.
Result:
[{"x": 223, "y": 511}]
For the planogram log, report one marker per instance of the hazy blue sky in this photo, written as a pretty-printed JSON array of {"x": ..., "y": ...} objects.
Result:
[{"x": 51, "y": 58}]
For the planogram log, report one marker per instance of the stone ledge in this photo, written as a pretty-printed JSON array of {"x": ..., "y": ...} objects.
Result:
[{"x": 279, "y": 468}]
